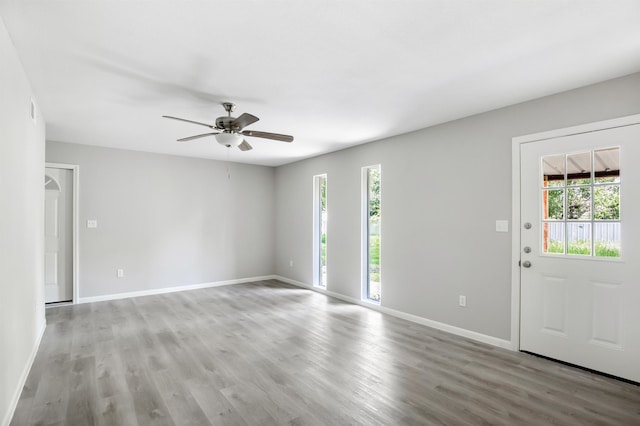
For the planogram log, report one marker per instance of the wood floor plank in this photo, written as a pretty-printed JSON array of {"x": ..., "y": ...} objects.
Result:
[
  {"x": 250, "y": 403},
  {"x": 183, "y": 407},
  {"x": 214, "y": 405},
  {"x": 116, "y": 410},
  {"x": 83, "y": 396},
  {"x": 50, "y": 401},
  {"x": 149, "y": 405},
  {"x": 269, "y": 353},
  {"x": 110, "y": 377}
]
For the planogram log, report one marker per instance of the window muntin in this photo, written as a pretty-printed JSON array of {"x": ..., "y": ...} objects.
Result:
[{"x": 581, "y": 203}]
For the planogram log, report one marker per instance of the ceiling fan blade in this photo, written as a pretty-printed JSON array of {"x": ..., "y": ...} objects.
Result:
[
  {"x": 267, "y": 135},
  {"x": 189, "y": 138},
  {"x": 244, "y": 120},
  {"x": 190, "y": 121},
  {"x": 244, "y": 146}
]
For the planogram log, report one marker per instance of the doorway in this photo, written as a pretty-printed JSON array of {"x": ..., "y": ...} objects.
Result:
[
  {"x": 578, "y": 196},
  {"x": 60, "y": 263}
]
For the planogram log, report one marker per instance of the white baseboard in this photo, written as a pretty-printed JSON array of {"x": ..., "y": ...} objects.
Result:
[
  {"x": 23, "y": 377},
  {"x": 151, "y": 292},
  {"x": 484, "y": 338}
]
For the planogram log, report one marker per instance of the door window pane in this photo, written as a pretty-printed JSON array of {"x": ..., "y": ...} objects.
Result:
[
  {"x": 579, "y": 238},
  {"x": 607, "y": 239},
  {"x": 579, "y": 203},
  {"x": 553, "y": 237},
  {"x": 553, "y": 168},
  {"x": 553, "y": 204},
  {"x": 607, "y": 165},
  {"x": 579, "y": 169},
  {"x": 606, "y": 202}
]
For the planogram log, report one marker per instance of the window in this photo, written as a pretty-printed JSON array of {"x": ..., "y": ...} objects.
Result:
[
  {"x": 371, "y": 282},
  {"x": 320, "y": 230},
  {"x": 581, "y": 203}
]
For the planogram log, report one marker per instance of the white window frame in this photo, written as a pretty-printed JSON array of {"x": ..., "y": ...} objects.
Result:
[
  {"x": 317, "y": 231},
  {"x": 364, "y": 239}
]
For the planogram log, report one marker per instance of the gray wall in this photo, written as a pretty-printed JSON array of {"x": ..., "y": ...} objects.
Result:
[
  {"x": 443, "y": 188},
  {"x": 21, "y": 227},
  {"x": 167, "y": 220}
]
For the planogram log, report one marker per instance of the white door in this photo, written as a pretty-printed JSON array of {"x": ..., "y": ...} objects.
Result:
[
  {"x": 580, "y": 275},
  {"x": 58, "y": 235}
]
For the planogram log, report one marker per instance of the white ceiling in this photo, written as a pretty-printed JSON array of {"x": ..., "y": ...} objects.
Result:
[{"x": 332, "y": 73}]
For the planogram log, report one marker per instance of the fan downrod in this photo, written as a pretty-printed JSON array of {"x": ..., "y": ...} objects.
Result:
[{"x": 229, "y": 107}]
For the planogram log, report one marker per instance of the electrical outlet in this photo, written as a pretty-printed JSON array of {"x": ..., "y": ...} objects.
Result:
[
  {"x": 290, "y": 263},
  {"x": 120, "y": 273},
  {"x": 462, "y": 300},
  {"x": 92, "y": 223}
]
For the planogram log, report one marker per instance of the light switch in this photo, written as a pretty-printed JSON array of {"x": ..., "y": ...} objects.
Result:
[
  {"x": 502, "y": 226},
  {"x": 92, "y": 223}
]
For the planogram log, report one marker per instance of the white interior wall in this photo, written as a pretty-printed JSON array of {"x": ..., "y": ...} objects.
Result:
[
  {"x": 21, "y": 228},
  {"x": 168, "y": 221},
  {"x": 443, "y": 188}
]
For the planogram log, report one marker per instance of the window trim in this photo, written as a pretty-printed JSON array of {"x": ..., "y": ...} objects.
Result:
[
  {"x": 317, "y": 231},
  {"x": 365, "y": 228}
]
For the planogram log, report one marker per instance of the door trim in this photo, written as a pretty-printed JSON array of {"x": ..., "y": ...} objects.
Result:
[
  {"x": 516, "y": 143},
  {"x": 75, "y": 169}
]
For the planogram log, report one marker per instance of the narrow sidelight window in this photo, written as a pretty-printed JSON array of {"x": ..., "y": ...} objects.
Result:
[
  {"x": 371, "y": 283},
  {"x": 320, "y": 231}
]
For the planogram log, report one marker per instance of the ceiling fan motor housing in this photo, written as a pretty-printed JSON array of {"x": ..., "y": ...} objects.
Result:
[{"x": 224, "y": 123}]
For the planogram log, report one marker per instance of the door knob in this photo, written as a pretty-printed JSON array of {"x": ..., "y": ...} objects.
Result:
[{"x": 526, "y": 264}]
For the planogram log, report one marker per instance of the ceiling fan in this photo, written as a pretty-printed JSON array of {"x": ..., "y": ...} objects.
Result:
[{"x": 230, "y": 130}]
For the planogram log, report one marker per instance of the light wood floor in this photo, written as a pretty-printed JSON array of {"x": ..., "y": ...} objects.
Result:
[{"x": 268, "y": 353}]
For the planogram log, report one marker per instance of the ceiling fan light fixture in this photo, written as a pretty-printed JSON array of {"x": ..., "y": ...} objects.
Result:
[{"x": 230, "y": 140}]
